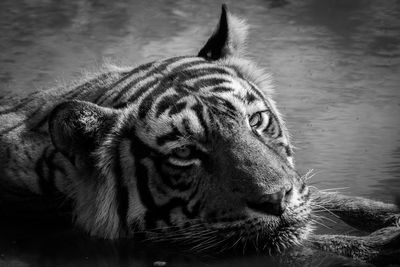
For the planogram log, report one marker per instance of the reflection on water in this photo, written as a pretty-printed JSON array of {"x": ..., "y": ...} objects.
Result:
[
  {"x": 336, "y": 65},
  {"x": 53, "y": 243}
]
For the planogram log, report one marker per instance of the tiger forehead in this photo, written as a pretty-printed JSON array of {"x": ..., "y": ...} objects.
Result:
[
  {"x": 211, "y": 84},
  {"x": 193, "y": 97},
  {"x": 215, "y": 79}
]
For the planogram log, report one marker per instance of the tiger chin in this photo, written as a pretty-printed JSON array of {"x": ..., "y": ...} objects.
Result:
[{"x": 187, "y": 150}]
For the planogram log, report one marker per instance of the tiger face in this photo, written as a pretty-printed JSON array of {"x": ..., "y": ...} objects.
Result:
[{"x": 200, "y": 156}]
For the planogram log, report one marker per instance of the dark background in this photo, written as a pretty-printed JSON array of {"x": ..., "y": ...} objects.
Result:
[{"x": 336, "y": 66}]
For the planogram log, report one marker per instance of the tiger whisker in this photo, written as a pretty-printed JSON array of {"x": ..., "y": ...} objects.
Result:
[
  {"x": 182, "y": 235},
  {"x": 174, "y": 227},
  {"x": 323, "y": 210},
  {"x": 317, "y": 222},
  {"x": 309, "y": 175},
  {"x": 203, "y": 243},
  {"x": 234, "y": 244},
  {"x": 209, "y": 244},
  {"x": 332, "y": 189},
  {"x": 324, "y": 218},
  {"x": 327, "y": 210},
  {"x": 215, "y": 244},
  {"x": 191, "y": 235},
  {"x": 244, "y": 246}
]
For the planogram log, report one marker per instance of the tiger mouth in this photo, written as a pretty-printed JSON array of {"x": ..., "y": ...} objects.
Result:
[{"x": 268, "y": 233}]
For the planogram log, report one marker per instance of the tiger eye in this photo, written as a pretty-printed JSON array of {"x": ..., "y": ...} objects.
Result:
[
  {"x": 182, "y": 152},
  {"x": 255, "y": 120}
]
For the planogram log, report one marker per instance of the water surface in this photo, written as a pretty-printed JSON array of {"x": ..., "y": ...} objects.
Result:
[{"x": 336, "y": 66}]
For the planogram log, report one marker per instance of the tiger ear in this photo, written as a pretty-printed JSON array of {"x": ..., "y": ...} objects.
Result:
[
  {"x": 228, "y": 38},
  {"x": 77, "y": 128}
]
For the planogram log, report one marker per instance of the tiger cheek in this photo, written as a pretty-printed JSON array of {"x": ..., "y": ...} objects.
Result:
[{"x": 175, "y": 178}]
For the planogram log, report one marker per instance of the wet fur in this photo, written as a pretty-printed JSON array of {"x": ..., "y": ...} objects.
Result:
[{"x": 381, "y": 222}]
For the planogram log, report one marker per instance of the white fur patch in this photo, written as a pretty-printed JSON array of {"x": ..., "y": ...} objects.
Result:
[{"x": 238, "y": 30}]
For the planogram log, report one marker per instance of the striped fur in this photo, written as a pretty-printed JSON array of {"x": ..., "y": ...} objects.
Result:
[{"x": 167, "y": 149}]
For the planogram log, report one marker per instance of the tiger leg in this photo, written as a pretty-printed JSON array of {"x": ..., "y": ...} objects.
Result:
[
  {"x": 382, "y": 219},
  {"x": 361, "y": 213}
]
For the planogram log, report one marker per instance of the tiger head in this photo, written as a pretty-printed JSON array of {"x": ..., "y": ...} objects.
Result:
[{"x": 201, "y": 157}]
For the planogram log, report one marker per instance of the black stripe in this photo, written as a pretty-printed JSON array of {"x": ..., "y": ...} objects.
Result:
[
  {"x": 128, "y": 75},
  {"x": 166, "y": 82},
  {"x": 153, "y": 215},
  {"x": 52, "y": 171},
  {"x": 177, "y": 108},
  {"x": 221, "y": 89},
  {"x": 163, "y": 212},
  {"x": 46, "y": 184},
  {"x": 212, "y": 119},
  {"x": 26, "y": 120},
  {"x": 165, "y": 103},
  {"x": 39, "y": 170},
  {"x": 212, "y": 69},
  {"x": 250, "y": 97},
  {"x": 173, "y": 180},
  {"x": 177, "y": 73},
  {"x": 186, "y": 126},
  {"x": 164, "y": 64},
  {"x": 9, "y": 129},
  {"x": 219, "y": 102},
  {"x": 41, "y": 123},
  {"x": 171, "y": 136},
  {"x": 137, "y": 94},
  {"x": 83, "y": 88},
  {"x": 205, "y": 71},
  {"x": 122, "y": 192},
  {"x": 194, "y": 213},
  {"x": 257, "y": 92},
  {"x": 141, "y": 151},
  {"x": 131, "y": 84},
  {"x": 196, "y": 208},
  {"x": 17, "y": 107},
  {"x": 253, "y": 88},
  {"x": 209, "y": 82},
  {"x": 154, "y": 212},
  {"x": 147, "y": 103}
]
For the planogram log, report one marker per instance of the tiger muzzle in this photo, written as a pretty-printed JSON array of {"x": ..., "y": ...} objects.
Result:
[
  {"x": 273, "y": 204},
  {"x": 253, "y": 176}
]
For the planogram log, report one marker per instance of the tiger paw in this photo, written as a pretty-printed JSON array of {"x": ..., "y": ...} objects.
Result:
[
  {"x": 386, "y": 242},
  {"x": 381, "y": 246}
]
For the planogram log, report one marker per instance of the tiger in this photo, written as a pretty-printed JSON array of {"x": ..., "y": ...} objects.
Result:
[
  {"x": 185, "y": 140},
  {"x": 188, "y": 149}
]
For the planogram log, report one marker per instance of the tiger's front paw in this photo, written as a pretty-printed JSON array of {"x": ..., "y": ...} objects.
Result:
[
  {"x": 381, "y": 246},
  {"x": 386, "y": 244}
]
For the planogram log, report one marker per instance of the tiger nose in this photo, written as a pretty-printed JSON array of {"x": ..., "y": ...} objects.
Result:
[{"x": 274, "y": 204}]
